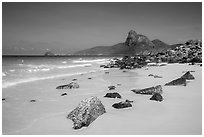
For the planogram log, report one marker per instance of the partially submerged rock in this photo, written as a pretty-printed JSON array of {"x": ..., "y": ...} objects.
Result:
[
  {"x": 122, "y": 104},
  {"x": 111, "y": 87},
  {"x": 188, "y": 76},
  {"x": 113, "y": 95},
  {"x": 3, "y": 99},
  {"x": 69, "y": 86},
  {"x": 157, "y": 97},
  {"x": 86, "y": 112},
  {"x": 179, "y": 81},
  {"x": 149, "y": 91}
]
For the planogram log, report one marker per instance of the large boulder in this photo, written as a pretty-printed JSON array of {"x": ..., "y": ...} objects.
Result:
[
  {"x": 86, "y": 112},
  {"x": 122, "y": 104},
  {"x": 188, "y": 76},
  {"x": 113, "y": 95},
  {"x": 157, "y": 97},
  {"x": 69, "y": 86},
  {"x": 149, "y": 91},
  {"x": 179, "y": 81}
]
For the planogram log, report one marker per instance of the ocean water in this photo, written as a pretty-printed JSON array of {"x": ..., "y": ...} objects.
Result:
[{"x": 17, "y": 70}]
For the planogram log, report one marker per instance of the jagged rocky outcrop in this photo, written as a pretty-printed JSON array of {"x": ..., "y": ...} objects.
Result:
[
  {"x": 149, "y": 91},
  {"x": 113, "y": 95},
  {"x": 188, "y": 76},
  {"x": 68, "y": 86},
  {"x": 122, "y": 104},
  {"x": 157, "y": 97},
  {"x": 86, "y": 112},
  {"x": 179, "y": 81}
]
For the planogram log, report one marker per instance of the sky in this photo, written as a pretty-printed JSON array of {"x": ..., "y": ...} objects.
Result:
[{"x": 64, "y": 28}]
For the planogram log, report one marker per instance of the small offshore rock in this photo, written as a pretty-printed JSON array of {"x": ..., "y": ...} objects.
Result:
[
  {"x": 89, "y": 78},
  {"x": 149, "y": 91},
  {"x": 122, "y": 104},
  {"x": 113, "y": 95},
  {"x": 86, "y": 112},
  {"x": 188, "y": 76},
  {"x": 179, "y": 81},
  {"x": 74, "y": 79},
  {"x": 157, "y": 97},
  {"x": 69, "y": 86},
  {"x": 3, "y": 99}
]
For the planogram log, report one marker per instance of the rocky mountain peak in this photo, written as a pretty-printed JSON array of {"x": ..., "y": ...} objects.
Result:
[{"x": 132, "y": 38}]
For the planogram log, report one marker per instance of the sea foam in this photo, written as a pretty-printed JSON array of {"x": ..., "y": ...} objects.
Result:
[{"x": 13, "y": 83}]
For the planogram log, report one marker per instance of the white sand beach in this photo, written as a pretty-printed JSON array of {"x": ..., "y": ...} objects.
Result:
[{"x": 180, "y": 113}]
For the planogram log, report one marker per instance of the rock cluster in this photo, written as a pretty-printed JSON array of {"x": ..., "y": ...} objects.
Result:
[
  {"x": 189, "y": 52},
  {"x": 86, "y": 112},
  {"x": 127, "y": 62}
]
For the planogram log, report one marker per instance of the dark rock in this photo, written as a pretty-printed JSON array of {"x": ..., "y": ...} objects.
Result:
[
  {"x": 113, "y": 95},
  {"x": 149, "y": 91},
  {"x": 3, "y": 99},
  {"x": 33, "y": 100},
  {"x": 156, "y": 97},
  {"x": 119, "y": 84},
  {"x": 201, "y": 65},
  {"x": 68, "y": 86},
  {"x": 123, "y": 104},
  {"x": 64, "y": 94},
  {"x": 89, "y": 78},
  {"x": 86, "y": 112},
  {"x": 179, "y": 81},
  {"x": 188, "y": 76},
  {"x": 74, "y": 79},
  {"x": 150, "y": 75},
  {"x": 106, "y": 72},
  {"x": 111, "y": 87}
]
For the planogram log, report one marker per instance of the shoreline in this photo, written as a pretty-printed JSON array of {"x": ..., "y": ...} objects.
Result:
[{"x": 48, "y": 114}]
